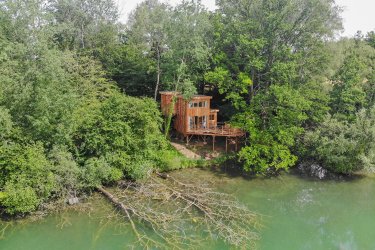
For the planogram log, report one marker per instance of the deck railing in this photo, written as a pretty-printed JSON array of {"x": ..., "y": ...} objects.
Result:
[{"x": 221, "y": 130}]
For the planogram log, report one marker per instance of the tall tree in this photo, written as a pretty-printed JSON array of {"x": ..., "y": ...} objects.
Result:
[
  {"x": 147, "y": 27},
  {"x": 354, "y": 80},
  {"x": 84, "y": 24},
  {"x": 272, "y": 42},
  {"x": 189, "y": 41}
]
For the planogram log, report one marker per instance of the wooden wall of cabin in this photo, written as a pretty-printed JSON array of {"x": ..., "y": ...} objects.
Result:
[
  {"x": 165, "y": 104},
  {"x": 212, "y": 121},
  {"x": 184, "y": 111},
  {"x": 180, "y": 120},
  {"x": 199, "y": 111}
]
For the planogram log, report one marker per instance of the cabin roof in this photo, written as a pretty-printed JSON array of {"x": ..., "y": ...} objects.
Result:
[
  {"x": 194, "y": 97},
  {"x": 200, "y": 97}
]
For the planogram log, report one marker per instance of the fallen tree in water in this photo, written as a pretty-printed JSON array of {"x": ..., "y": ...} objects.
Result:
[{"x": 175, "y": 212}]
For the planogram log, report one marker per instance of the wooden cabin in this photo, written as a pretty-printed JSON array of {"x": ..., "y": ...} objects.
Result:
[{"x": 195, "y": 117}]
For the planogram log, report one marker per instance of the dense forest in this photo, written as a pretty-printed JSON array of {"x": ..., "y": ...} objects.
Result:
[{"x": 79, "y": 90}]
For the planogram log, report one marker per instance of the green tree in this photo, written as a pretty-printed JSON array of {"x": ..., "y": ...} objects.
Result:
[
  {"x": 89, "y": 25},
  {"x": 133, "y": 70},
  {"x": 171, "y": 36},
  {"x": 272, "y": 42},
  {"x": 188, "y": 37},
  {"x": 344, "y": 147},
  {"x": 123, "y": 132},
  {"x": 148, "y": 27},
  {"x": 370, "y": 38},
  {"x": 352, "y": 83},
  {"x": 273, "y": 121}
]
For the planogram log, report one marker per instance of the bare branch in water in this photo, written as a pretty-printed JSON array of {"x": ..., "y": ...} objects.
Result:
[{"x": 173, "y": 212}]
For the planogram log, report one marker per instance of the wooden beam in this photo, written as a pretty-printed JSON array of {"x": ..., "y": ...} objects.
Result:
[{"x": 188, "y": 139}]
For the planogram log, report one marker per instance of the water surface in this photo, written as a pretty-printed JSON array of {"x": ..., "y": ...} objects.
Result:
[{"x": 299, "y": 213}]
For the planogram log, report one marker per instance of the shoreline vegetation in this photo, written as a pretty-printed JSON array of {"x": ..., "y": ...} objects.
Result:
[{"x": 79, "y": 110}]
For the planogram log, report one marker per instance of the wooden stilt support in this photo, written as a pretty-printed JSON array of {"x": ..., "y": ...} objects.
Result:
[
  {"x": 236, "y": 143},
  {"x": 188, "y": 139},
  {"x": 226, "y": 144},
  {"x": 213, "y": 143},
  {"x": 204, "y": 137}
]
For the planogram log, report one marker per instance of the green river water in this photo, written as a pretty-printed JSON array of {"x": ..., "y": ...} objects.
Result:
[{"x": 299, "y": 213}]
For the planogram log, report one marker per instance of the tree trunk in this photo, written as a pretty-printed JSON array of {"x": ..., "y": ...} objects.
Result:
[
  {"x": 114, "y": 200},
  {"x": 82, "y": 37},
  {"x": 158, "y": 72}
]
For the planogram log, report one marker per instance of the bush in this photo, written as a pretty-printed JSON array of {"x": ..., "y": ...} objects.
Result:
[
  {"x": 18, "y": 198},
  {"x": 25, "y": 177},
  {"x": 124, "y": 133},
  {"x": 344, "y": 147},
  {"x": 67, "y": 172}
]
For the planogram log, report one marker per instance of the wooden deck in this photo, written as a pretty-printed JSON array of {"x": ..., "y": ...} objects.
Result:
[
  {"x": 227, "y": 132},
  {"x": 231, "y": 135},
  {"x": 220, "y": 130}
]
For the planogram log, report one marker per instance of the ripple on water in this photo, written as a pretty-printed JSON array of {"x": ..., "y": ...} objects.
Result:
[{"x": 304, "y": 198}]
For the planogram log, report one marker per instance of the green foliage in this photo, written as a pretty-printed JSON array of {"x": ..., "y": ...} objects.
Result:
[
  {"x": 65, "y": 127},
  {"x": 363, "y": 130},
  {"x": 125, "y": 132},
  {"x": 132, "y": 69},
  {"x": 26, "y": 177},
  {"x": 353, "y": 82},
  {"x": 170, "y": 36},
  {"x": 66, "y": 170},
  {"x": 272, "y": 42},
  {"x": 344, "y": 147},
  {"x": 370, "y": 38},
  {"x": 233, "y": 89},
  {"x": 42, "y": 95},
  {"x": 5, "y": 123},
  {"x": 172, "y": 160},
  {"x": 347, "y": 100},
  {"x": 85, "y": 25},
  {"x": 19, "y": 198},
  {"x": 273, "y": 121},
  {"x": 97, "y": 171},
  {"x": 319, "y": 98},
  {"x": 187, "y": 31}
]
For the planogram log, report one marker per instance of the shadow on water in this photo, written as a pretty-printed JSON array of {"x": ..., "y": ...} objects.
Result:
[
  {"x": 232, "y": 169},
  {"x": 306, "y": 171}
]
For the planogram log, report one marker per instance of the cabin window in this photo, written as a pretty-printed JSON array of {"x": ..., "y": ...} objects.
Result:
[
  {"x": 212, "y": 117},
  {"x": 193, "y": 104},
  {"x": 197, "y": 122},
  {"x": 191, "y": 122},
  {"x": 198, "y": 104},
  {"x": 203, "y": 104}
]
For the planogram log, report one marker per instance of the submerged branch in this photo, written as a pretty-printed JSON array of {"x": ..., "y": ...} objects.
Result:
[{"x": 169, "y": 212}]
